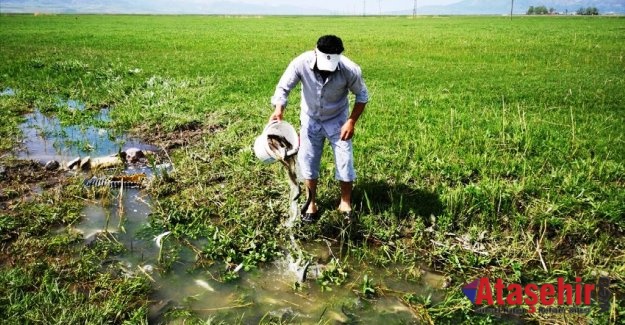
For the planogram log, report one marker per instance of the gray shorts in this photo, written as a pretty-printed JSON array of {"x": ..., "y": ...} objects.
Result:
[{"x": 312, "y": 138}]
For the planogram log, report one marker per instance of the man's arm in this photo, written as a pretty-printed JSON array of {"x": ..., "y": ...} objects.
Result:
[
  {"x": 359, "y": 89},
  {"x": 287, "y": 82}
]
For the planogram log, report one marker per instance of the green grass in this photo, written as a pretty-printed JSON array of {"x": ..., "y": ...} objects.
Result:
[{"x": 510, "y": 133}]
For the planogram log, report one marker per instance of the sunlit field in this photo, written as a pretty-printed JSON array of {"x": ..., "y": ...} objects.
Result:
[{"x": 491, "y": 147}]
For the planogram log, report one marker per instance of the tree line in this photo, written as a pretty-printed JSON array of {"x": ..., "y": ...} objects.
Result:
[
  {"x": 589, "y": 11},
  {"x": 542, "y": 10}
]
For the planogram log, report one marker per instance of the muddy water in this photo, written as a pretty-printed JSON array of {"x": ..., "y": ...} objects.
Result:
[
  {"x": 262, "y": 294},
  {"x": 269, "y": 293},
  {"x": 46, "y": 139},
  {"x": 126, "y": 219}
]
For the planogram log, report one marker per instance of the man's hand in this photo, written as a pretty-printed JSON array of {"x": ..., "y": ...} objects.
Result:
[
  {"x": 347, "y": 130},
  {"x": 277, "y": 114}
]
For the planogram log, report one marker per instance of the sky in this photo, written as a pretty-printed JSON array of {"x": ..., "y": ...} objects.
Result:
[
  {"x": 370, "y": 7},
  {"x": 294, "y": 7}
]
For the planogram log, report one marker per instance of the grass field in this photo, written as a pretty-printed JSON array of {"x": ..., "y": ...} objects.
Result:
[{"x": 491, "y": 147}]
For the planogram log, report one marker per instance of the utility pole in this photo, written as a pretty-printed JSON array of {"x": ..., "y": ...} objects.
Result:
[
  {"x": 414, "y": 9},
  {"x": 364, "y": 8},
  {"x": 511, "y": 9}
]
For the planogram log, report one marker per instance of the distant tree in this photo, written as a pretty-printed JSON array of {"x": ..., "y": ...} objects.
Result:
[
  {"x": 541, "y": 10},
  {"x": 589, "y": 11},
  {"x": 538, "y": 10}
]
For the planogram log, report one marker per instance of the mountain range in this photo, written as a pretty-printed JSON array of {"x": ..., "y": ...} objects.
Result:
[
  {"x": 155, "y": 7},
  {"x": 233, "y": 7}
]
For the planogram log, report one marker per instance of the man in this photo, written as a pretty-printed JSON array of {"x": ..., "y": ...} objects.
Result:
[{"x": 326, "y": 78}]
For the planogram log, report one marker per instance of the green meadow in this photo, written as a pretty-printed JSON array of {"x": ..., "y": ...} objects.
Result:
[{"x": 491, "y": 147}]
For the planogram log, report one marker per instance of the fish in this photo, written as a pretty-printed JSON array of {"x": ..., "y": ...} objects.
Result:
[
  {"x": 159, "y": 239},
  {"x": 204, "y": 284},
  {"x": 280, "y": 145},
  {"x": 283, "y": 149}
]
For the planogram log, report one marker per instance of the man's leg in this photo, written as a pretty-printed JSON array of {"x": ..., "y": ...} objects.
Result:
[
  {"x": 312, "y": 186},
  {"x": 344, "y": 172},
  {"x": 346, "y": 197},
  {"x": 309, "y": 158}
]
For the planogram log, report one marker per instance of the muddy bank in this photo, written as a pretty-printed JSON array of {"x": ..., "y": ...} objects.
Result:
[
  {"x": 182, "y": 135},
  {"x": 21, "y": 179}
]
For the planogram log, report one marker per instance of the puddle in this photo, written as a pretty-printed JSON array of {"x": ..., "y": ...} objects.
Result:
[
  {"x": 71, "y": 104},
  {"x": 126, "y": 219},
  {"x": 259, "y": 295},
  {"x": 46, "y": 139},
  {"x": 7, "y": 92},
  {"x": 269, "y": 294}
]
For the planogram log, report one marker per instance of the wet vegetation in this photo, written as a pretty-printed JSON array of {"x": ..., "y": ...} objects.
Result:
[{"x": 491, "y": 147}]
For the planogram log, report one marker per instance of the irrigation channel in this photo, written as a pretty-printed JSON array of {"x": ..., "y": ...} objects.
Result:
[{"x": 270, "y": 288}]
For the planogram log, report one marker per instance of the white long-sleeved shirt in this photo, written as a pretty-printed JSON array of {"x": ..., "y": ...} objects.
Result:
[{"x": 321, "y": 100}]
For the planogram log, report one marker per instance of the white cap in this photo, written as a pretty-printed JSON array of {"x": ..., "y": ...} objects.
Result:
[{"x": 327, "y": 62}]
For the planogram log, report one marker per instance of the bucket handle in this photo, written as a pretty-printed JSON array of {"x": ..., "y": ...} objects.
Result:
[{"x": 272, "y": 122}]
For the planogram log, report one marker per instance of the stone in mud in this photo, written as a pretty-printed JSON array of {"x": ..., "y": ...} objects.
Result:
[
  {"x": 85, "y": 163},
  {"x": 89, "y": 163},
  {"x": 133, "y": 155},
  {"x": 148, "y": 268},
  {"x": 106, "y": 162},
  {"x": 52, "y": 165},
  {"x": 73, "y": 163}
]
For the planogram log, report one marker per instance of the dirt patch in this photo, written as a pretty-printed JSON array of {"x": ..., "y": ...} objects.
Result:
[
  {"x": 182, "y": 135},
  {"x": 20, "y": 179}
]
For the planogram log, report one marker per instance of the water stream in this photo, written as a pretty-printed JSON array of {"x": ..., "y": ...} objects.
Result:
[{"x": 263, "y": 293}]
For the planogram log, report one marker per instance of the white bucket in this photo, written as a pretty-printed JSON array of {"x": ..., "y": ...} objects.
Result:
[{"x": 280, "y": 128}]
